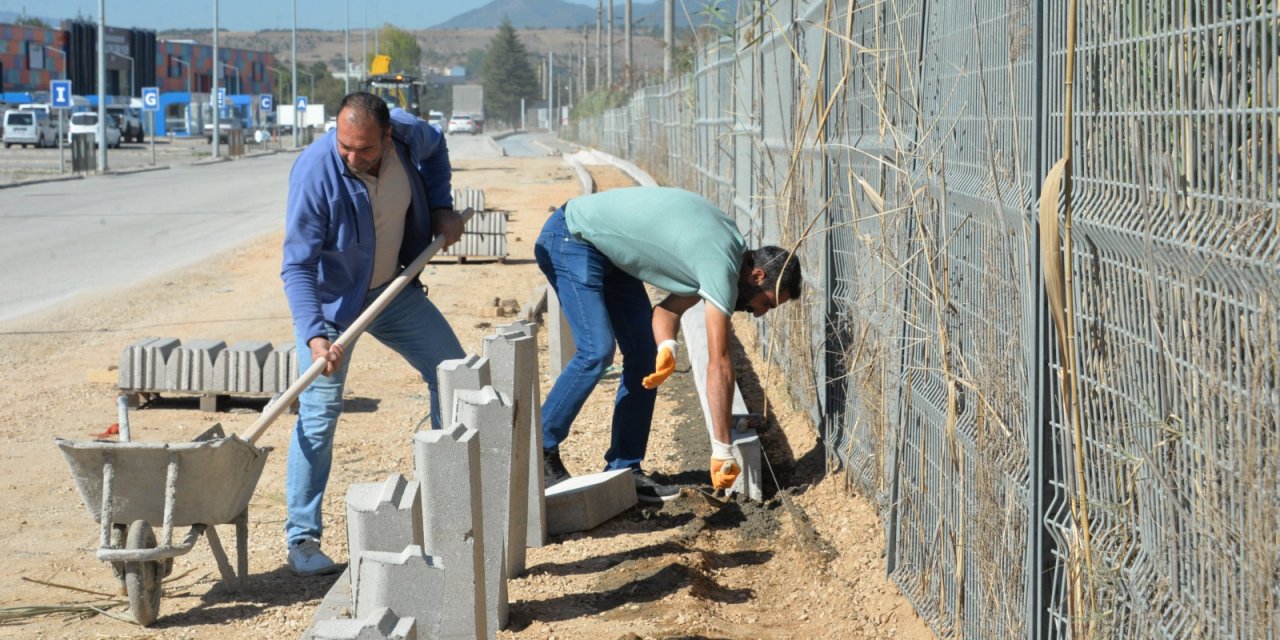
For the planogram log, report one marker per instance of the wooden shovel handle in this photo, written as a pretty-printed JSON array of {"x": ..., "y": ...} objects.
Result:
[{"x": 358, "y": 327}]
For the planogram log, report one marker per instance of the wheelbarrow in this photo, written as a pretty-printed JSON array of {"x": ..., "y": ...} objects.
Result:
[{"x": 131, "y": 487}]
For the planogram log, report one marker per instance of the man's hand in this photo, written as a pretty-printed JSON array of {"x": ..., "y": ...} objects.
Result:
[
  {"x": 447, "y": 223},
  {"x": 724, "y": 467},
  {"x": 663, "y": 367},
  {"x": 322, "y": 349}
]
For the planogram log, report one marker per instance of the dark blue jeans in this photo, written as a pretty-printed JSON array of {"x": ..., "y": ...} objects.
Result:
[{"x": 604, "y": 305}]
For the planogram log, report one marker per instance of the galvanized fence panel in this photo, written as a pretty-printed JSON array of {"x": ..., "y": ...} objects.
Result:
[
  {"x": 1176, "y": 274},
  {"x": 935, "y": 378}
]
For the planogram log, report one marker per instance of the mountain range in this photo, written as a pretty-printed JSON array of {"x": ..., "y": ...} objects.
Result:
[{"x": 558, "y": 14}]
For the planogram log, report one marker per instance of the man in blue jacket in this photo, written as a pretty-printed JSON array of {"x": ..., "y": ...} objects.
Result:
[{"x": 364, "y": 200}]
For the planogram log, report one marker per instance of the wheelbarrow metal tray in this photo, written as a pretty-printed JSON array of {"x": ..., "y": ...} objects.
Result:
[{"x": 214, "y": 481}]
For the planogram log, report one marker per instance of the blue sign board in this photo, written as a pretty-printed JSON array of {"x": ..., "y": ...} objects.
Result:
[
  {"x": 150, "y": 98},
  {"x": 265, "y": 103},
  {"x": 302, "y": 105},
  {"x": 60, "y": 93},
  {"x": 222, "y": 97}
]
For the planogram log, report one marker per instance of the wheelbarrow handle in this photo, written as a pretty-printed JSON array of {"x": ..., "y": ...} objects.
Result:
[{"x": 357, "y": 328}]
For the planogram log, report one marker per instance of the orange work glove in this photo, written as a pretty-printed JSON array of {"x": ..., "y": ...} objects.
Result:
[
  {"x": 724, "y": 467},
  {"x": 664, "y": 367}
]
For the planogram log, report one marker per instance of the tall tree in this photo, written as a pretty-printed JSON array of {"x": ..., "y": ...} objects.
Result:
[
  {"x": 508, "y": 76},
  {"x": 402, "y": 46}
]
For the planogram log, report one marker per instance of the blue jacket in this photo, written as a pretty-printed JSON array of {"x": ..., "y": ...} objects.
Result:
[{"x": 329, "y": 236}]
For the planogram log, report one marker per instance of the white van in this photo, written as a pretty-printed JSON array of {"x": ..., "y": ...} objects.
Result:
[{"x": 28, "y": 127}]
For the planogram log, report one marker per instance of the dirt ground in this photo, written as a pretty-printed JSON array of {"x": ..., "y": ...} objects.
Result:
[{"x": 808, "y": 563}]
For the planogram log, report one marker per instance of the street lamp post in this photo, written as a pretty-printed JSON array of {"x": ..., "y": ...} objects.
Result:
[
  {"x": 62, "y": 151},
  {"x": 129, "y": 93},
  {"x": 213, "y": 74},
  {"x": 239, "y": 89},
  {"x": 102, "y": 86},
  {"x": 179, "y": 60}
]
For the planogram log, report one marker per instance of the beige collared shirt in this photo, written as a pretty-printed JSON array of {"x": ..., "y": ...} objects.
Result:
[{"x": 390, "y": 196}]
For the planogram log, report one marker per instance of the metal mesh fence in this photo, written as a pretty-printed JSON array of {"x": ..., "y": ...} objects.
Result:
[{"x": 903, "y": 147}]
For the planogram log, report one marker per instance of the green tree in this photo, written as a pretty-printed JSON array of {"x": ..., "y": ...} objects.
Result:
[
  {"x": 402, "y": 46},
  {"x": 508, "y": 77}
]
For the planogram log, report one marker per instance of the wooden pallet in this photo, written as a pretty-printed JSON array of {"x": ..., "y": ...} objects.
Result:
[{"x": 209, "y": 402}]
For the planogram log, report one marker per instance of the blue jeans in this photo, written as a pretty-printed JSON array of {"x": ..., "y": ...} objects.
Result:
[
  {"x": 410, "y": 326},
  {"x": 603, "y": 305}
]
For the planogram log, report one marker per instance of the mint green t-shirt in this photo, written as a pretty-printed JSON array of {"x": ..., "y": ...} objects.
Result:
[{"x": 671, "y": 238}]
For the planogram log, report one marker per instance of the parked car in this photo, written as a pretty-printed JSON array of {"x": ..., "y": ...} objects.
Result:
[
  {"x": 87, "y": 122},
  {"x": 225, "y": 127},
  {"x": 435, "y": 119},
  {"x": 462, "y": 124},
  {"x": 27, "y": 127},
  {"x": 129, "y": 121}
]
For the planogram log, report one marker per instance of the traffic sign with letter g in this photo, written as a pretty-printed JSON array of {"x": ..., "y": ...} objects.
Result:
[{"x": 150, "y": 98}]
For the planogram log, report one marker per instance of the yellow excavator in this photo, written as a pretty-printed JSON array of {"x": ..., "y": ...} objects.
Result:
[{"x": 398, "y": 89}]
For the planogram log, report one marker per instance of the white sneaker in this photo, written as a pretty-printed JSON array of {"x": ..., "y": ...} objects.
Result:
[{"x": 306, "y": 558}]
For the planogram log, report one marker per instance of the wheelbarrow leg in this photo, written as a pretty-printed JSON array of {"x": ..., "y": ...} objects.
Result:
[
  {"x": 220, "y": 555},
  {"x": 242, "y": 545}
]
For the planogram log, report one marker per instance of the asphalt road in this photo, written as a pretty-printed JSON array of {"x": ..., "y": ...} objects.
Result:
[{"x": 62, "y": 239}]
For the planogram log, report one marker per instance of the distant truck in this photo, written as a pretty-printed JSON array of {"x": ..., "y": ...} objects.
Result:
[{"x": 468, "y": 100}]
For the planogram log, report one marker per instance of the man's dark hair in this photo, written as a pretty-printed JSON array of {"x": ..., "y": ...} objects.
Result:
[
  {"x": 367, "y": 105},
  {"x": 781, "y": 270}
]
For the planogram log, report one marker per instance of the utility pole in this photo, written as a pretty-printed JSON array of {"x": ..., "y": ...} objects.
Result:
[
  {"x": 609, "y": 47},
  {"x": 599, "y": 53},
  {"x": 668, "y": 37},
  {"x": 582, "y": 57},
  {"x": 293, "y": 73},
  {"x": 626, "y": 31},
  {"x": 346, "y": 49},
  {"x": 552, "y": 120}
]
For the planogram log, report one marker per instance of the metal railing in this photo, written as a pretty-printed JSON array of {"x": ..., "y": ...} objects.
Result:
[{"x": 903, "y": 146}]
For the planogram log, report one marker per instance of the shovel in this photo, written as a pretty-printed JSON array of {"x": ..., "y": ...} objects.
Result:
[{"x": 277, "y": 407}]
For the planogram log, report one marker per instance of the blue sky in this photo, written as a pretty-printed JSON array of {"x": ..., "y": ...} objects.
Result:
[{"x": 251, "y": 15}]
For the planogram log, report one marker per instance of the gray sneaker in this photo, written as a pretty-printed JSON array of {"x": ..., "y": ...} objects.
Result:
[
  {"x": 306, "y": 558},
  {"x": 648, "y": 490}
]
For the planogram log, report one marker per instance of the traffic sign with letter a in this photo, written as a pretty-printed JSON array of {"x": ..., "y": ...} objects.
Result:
[
  {"x": 150, "y": 98},
  {"x": 60, "y": 94},
  {"x": 302, "y": 103}
]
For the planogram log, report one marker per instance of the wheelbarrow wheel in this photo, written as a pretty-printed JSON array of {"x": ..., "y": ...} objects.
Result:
[{"x": 142, "y": 579}]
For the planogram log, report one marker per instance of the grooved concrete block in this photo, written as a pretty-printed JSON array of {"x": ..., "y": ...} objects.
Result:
[
  {"x": 469, "y": 373},
  {"x": 746, "y": 449},
  {"x": 190, "y": 363},
  {"x": 694, "y": 326},
  {"x": 560, "y": 346},
  {"x": 380, "y": 624},
  {"x": 280, "y": 369},
  {"x": 447, "y": 464},
  {"x": 410, "y": 583},
  {"x": 133, "y": 362},
  {"x": 513, "y": 362},
  {"x": 583, "y": 502},
  {"x": 491, "y": 413},
  {"x": 244, "y": 373},
  {"x": 156, "y": 355},
  {"x": 536, "y": 529},
  {"x": 382, "y": 516}
]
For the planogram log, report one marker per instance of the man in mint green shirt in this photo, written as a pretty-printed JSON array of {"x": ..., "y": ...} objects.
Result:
[{"x": 597, "y": 252}]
